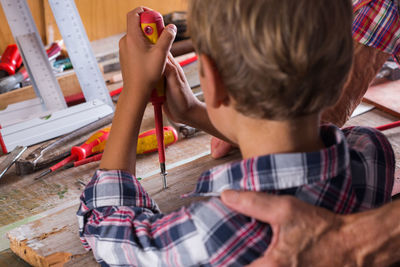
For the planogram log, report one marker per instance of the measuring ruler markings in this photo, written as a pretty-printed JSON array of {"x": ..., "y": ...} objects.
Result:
[
  {"x": 80, "y": 51},
  {"x": 33, "y": 54}
]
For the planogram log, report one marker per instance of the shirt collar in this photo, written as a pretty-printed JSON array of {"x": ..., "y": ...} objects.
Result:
[{"x": 280, "y": 171}]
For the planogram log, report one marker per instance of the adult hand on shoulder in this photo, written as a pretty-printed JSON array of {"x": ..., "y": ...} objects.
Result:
[{"x": 303, "y": 235}]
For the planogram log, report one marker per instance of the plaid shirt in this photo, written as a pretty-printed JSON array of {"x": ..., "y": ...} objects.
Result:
[
  {"x": 377, "y": 24},
  {"x": 123, "y": 226}
]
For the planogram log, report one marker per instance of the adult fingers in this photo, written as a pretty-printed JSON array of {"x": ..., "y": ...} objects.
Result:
[{"x": 264, "y": 207}]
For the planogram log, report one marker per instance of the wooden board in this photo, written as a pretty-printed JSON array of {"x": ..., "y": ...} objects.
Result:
[
  {"x": 385, "y": 96},
  {"x": 53, "y": 241}
]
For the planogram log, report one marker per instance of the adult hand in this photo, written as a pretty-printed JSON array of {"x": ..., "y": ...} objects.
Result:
[{"x": 303, "y": 235}]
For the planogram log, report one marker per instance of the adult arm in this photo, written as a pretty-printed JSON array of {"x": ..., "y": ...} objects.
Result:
[
  {"x": 305, "y": 234},
  {"x": 367, "y": 62}
]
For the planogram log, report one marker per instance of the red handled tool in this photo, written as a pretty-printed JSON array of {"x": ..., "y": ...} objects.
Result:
[
  {"x": 147, "y": 143},
  {"x": 11, "y": 82},
  {"x": 11, "y": 60},
  {"x": 152, "y": 24},
  {"x": 95, "y": 144}
]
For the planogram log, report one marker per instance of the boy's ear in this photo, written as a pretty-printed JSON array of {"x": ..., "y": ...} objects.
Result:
[{"x": 217, "y": 92}]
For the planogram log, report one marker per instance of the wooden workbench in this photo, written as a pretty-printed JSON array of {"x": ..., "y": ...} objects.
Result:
[{"x": 24, "y": 200}]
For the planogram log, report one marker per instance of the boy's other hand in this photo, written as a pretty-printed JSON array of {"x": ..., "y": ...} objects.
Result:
[
  {"x": 220, "y": 148},
  {"x": 180, "y": 98},
  {"x": 143, "y": 63},
  {"x": 303, "y": 235}
]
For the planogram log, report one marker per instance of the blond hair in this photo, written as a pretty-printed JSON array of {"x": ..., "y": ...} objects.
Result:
[{"x": 279, "y": 59}]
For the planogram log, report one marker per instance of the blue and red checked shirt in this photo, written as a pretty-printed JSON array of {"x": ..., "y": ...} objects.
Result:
[
  {"x": 123, "y": 226},
  {"x": 377, "y": 24}
]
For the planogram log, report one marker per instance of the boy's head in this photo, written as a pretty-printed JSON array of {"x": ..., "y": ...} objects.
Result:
[{"x": 278, "y": 59}]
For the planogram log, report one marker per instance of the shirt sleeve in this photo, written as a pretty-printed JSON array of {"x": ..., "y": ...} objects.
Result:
[
  {"x": 124, "y": 227},
  {"x": 373, "y": 157},
  {"x": 377, "y": 24}
]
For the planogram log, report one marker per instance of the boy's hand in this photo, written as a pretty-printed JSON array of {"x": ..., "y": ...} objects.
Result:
[
  {"x": 180, "y": 98},
  {"x": 143, "y": 63}
]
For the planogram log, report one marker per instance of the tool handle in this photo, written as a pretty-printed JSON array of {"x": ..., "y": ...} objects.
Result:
[
  {"x": 152, "y": 24},
  {"x": 147, "y": 141},
  {"x": 388, "y": 126},
  {"x": 95, "y": 144},
  {"x": 10, "y": 82},
  {"x": 41, "y": 151},
  {"x": 11, "y": 59}
]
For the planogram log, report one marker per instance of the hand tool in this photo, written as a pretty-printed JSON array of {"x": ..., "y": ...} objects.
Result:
[
  {"x": 52, "y": 125},
  {"x": 33, "y": 53},
  {"x": 147, "y": 143},
  {"x": 11, "y": 60},
  {"x": 37, "y": 159},
  {"x": 42, "y": 77},
  {"x": 11, "y": 82},
  {"x": 388, "y": 126},
  {"x": 11, "y": 159},
  {"x": 152, "y": 24},
  {"x": 390, "y": 70},
  {"x": 95, "y": 144},
  {"x": 78, "y": 163}
]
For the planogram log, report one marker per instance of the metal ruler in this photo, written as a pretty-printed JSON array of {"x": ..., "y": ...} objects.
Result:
[
  {"x": 80, "y": 51},
  {"x": 33, "y": 53},
  {"x": 59, "y": 119}
]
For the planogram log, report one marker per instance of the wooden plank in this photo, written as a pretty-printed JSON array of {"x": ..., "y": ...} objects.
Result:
[
  {"x": 181, "y": 180},
  {"x": 103, "y": 18},
  {"x": 385, "y": 96},
  {"x": 53, "y": 241},
  {"x": 22, "y": 196}
]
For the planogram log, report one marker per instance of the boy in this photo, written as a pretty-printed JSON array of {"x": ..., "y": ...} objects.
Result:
[{"x": 268, "y": 69}]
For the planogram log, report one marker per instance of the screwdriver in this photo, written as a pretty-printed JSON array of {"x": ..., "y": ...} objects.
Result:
[
  {"x": 11, "y": 60},
  {"x": 152, "y": 24},
  {"x": 147, "y": 143},
  {"x": 95, "y": 144}
]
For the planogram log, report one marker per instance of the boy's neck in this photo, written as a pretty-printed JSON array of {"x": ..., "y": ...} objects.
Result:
[{"x": 258, "y": 137}]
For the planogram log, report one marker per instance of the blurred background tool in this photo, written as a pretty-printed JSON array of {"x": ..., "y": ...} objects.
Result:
[
  {"x": 152, "y": 25},
  {"x": 390, "y": 70},
  {"x": 10, "y": 159},
  {"x": 13, "y": 81},
  {"x": 147, "y": 143},
  {"x": 48, "y": 154},
  {"x": 11, "y": 60},
  {"x": 95, "y": 144}
]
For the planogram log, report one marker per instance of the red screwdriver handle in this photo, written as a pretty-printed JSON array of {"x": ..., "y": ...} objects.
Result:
[
  {"x": 152, "y": 24},
  {"x": 93, "y": 145},
  {"x": 11, "y": 59}
]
